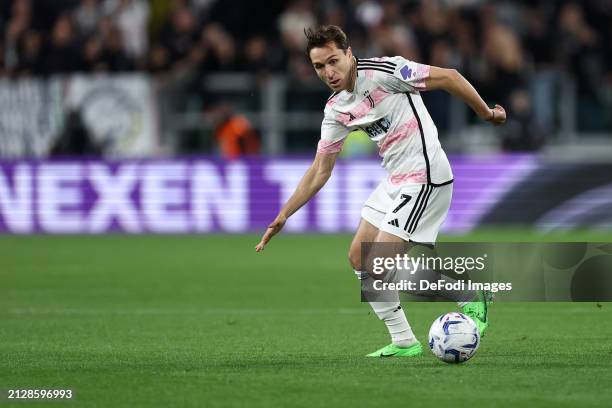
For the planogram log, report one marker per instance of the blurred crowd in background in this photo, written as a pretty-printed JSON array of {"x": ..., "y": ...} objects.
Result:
[{"x": 507, "y": 49}]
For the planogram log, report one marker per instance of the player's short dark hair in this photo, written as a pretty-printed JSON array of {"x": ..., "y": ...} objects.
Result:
[{"x": 324, "y": 35}]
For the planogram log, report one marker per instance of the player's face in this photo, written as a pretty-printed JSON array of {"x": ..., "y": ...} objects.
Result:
[{"x": 332, "y": 65}]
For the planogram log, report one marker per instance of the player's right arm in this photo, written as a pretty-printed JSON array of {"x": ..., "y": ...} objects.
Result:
[{"x": 314, "y": 179}]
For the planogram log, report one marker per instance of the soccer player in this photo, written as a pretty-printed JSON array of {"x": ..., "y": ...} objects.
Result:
[{"x": 381, "y": 97}]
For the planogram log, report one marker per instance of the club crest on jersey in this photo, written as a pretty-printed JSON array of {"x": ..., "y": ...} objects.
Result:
[
  {"x": 369, "y": 98},
  {"x": 406, "y": 72}
]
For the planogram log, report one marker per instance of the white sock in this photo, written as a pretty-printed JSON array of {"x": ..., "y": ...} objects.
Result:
[
  {"x": 361, "y": 275},
  {"x": 392, "y": 314}
]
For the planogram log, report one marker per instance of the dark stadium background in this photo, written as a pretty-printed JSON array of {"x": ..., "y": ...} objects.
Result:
[{"x": 145, "y": 145}]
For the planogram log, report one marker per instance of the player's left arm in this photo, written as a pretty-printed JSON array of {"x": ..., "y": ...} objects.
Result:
[{"x": 454, "y": 83}]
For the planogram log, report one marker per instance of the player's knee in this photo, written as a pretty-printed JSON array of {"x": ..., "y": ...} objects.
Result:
[{"x": 354, "y": 257}]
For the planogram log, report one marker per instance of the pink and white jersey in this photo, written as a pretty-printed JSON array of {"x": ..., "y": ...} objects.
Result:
[{"x": 386, "y": 104}]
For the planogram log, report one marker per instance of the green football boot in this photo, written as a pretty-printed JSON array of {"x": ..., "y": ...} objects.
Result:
[
  {"x": 478, "y": 310},
  {"x": 392, "y": 350}
]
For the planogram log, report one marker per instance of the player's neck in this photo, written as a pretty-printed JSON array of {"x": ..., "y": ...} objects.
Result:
[{"x": 352, "y": 76}]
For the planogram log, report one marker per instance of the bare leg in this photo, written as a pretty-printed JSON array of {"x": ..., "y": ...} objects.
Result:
[{"x": 366, "y": 232}]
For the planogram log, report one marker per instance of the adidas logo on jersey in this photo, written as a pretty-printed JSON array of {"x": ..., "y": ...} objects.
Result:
[{"x": 394, "y": 222}]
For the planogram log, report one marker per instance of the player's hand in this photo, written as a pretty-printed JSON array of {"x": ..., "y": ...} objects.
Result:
[
  {"x": 498, "y": 116},
  {"x": 272, "y": 230}
]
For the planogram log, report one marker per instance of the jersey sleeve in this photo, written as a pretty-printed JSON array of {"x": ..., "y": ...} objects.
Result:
[
  {"x": 333, "y": 134},
  {"x": 400, "y": 75}
]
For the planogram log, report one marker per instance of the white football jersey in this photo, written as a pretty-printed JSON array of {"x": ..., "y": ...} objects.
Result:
[{"x": 386, "y": 104}]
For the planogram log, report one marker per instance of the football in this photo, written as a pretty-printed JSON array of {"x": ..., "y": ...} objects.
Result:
[{"x": 454, "y": 338}]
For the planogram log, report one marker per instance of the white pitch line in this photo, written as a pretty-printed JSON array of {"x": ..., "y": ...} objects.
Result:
[{"x": 203, "y": 311}]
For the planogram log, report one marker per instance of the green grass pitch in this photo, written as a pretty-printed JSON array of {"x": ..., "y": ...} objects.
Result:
[{"x": 204, "y": 321}]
